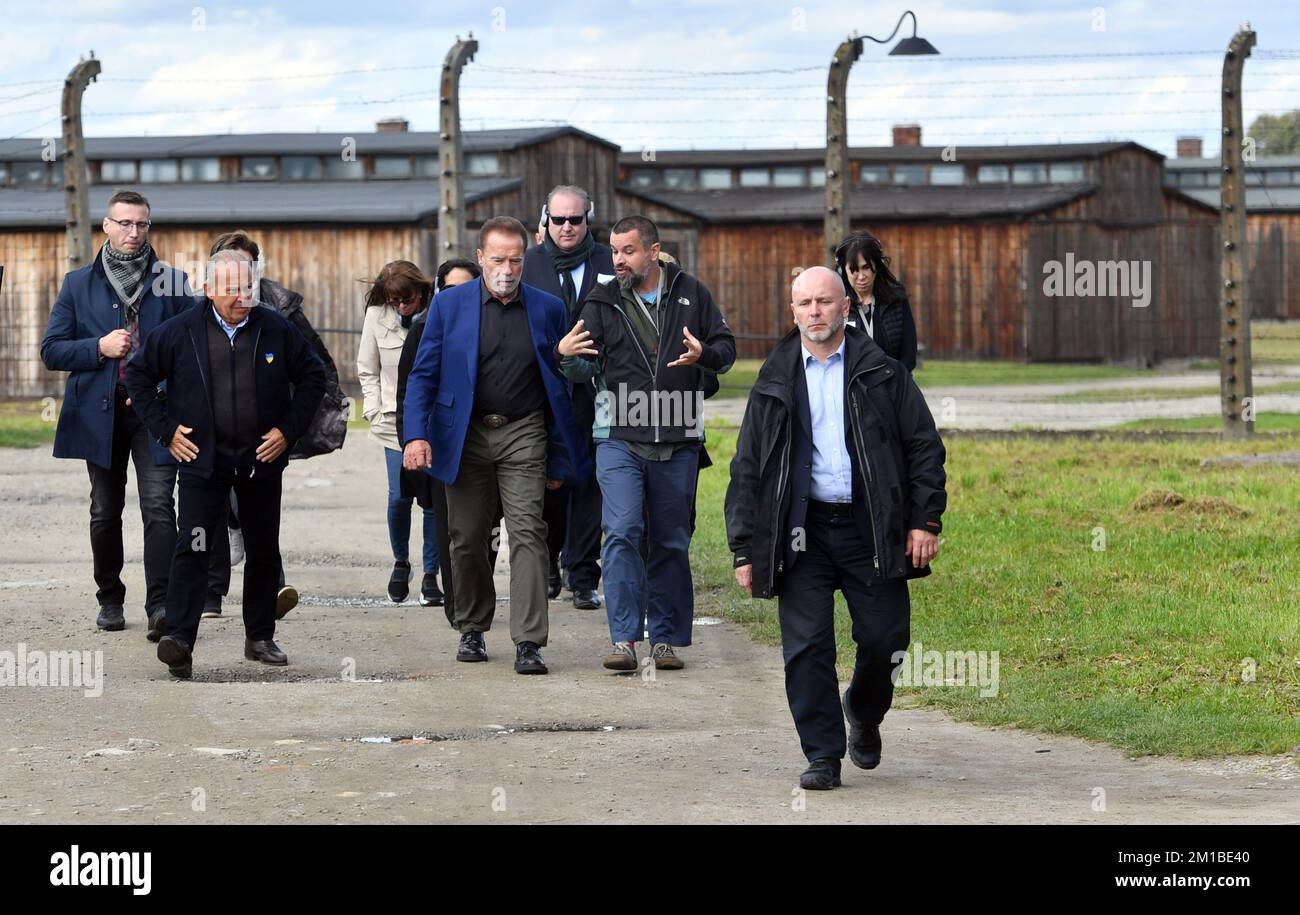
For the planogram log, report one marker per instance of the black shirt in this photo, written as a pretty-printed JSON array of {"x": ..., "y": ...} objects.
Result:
[{"x": 509, "y": 381}]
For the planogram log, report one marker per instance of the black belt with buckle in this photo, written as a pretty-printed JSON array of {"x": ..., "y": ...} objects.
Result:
[
  {"x": 830, "y": 511},
  {"x": 496, "y": 420}
]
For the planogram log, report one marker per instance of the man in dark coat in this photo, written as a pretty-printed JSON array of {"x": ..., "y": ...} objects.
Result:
[
  {"x": 570, "y": 263},
  {"x": 243, "y": 386},
  {"x": 102, "y": 314},
  {"x": 327, "y": 432},
  {"x": 837, "y": 484}
]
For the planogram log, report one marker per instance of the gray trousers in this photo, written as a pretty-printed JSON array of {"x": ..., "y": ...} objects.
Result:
[{"x": 509, "y": 463}]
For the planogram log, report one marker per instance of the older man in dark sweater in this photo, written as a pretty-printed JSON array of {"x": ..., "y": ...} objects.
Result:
[{"x": 243, "y": 386}]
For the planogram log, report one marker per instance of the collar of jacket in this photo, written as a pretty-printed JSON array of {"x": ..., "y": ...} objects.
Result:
[
  {"x": 200, "y": 314},
  {"x": 609, "y": 293},
  {"x": 861, "y": 354}
]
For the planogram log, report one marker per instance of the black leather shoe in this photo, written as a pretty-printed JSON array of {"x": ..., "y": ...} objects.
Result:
[
  {"x": 864, "y": 741},
  {"x": 586, "y": 599},
  {"x": 528, "y": 659},
  {"x": 430, "y": 594},
  {"x": 211, "y": 607},
  {"x": 821, "y": 775},
  {"x": 111, "y": 618},
  {"x": 399, "y": 583},
  {"x": 157, "y": 625},
  {"x": 266, "y": 651},
  {"x": 176, "y": 654},
  {"x": 472, "y": 647},
  {"x": 554, "y": 585}
]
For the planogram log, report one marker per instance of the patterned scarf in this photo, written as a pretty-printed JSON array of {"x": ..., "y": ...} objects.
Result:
[{"x": 126, "y": 275}]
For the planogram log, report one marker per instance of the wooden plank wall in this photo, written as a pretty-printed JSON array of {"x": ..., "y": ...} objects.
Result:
[
  {"x": 977, "y": 288},
  {"x": 326, "y": 265},
  {"x": 1274, "y": 265}
]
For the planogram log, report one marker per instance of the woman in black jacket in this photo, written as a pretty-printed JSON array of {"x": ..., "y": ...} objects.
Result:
[
  {"x": 417, "y": 484},
  {"x": 877, "y": 300}
]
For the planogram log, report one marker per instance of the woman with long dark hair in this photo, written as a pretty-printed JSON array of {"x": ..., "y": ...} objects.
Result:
[
  {"x": 399, "y": 293},
  {"x": 878, "y": 302}
]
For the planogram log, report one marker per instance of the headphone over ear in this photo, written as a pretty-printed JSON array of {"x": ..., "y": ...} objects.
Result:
[{"x": 591, "y": 213}]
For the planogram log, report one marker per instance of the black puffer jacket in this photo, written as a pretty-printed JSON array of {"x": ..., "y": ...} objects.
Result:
[
  {"x": 329, "y": 427},
  {"x": 894, "y": 327},
  {"x": 896, "y": 452}
]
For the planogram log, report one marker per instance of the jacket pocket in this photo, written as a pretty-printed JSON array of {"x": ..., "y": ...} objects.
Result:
[{"x": 444, "y": 412}]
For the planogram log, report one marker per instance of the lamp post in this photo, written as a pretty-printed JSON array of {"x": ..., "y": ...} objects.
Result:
[{"x": 837, "y": 127}]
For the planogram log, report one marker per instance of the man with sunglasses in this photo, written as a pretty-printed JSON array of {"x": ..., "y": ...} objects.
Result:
[
  {"x": 568, "y": 264},
  {"x": 102, "y": 314}
]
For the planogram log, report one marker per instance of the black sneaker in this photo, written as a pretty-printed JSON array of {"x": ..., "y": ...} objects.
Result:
[
  {"x": 399, "y": 583},
  {"x": 472, "y": 647},
  {"x": 864, "y": 740},
  {"x": 821, "y": 775},
  {"x": 212, "y": 607},
  {"x": 554, "y": 584},
  {"x": 111, "y": 618},
  {"x": 157, "y": 624},
  {"x": 430, "y": 594},
  {"x": 528, "y": 659}
]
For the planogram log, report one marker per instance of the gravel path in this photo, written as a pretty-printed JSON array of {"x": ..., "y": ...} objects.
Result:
[{"x": 713, "y": 743}]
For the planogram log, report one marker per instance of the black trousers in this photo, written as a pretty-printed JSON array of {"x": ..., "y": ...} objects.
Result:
[
  {"x": 156, "y": 484},
  {"x": 201, "y": 505},
  {"x": 219, "y": 560},
  {"x": 582, "y": 530},
  {"x": 836, "y": 558}
]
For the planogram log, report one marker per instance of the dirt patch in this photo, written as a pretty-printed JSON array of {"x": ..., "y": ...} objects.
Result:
[{"x": 1168, "y": 499}]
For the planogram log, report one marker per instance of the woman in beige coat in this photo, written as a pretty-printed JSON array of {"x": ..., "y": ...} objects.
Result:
[{"x": 397, "y": 295}]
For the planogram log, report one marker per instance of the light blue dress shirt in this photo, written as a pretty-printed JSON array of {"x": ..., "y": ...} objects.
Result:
[
  {"x": 230, "y": 331},
  {"x": 832, "y": 472}
]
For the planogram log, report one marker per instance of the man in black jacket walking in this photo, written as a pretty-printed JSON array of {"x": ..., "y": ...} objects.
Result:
[
  {"x": 837, "y": 483},
  {"x": 647, "y": 338},
  {"x": 242, "y": 388},
  {"x": 569, "y": 263}
]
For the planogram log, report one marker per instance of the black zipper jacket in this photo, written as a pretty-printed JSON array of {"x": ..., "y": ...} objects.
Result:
[
  {"x": 896, "y": 452},
  {"x": 623, "y": 360},
  {"x": 289, "y": 380}
]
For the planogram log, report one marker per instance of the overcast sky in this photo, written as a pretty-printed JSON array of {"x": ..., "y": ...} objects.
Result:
[{"x": 633, "y": 71}]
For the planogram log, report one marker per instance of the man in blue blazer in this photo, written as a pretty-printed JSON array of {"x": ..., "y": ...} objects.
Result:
[
  {"x": 487, "y": 411},
  {"x": 103, "y": 313},
  {"x": 569, "y": 263}
]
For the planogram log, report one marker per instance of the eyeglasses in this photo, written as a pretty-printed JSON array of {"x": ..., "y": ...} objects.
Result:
[
  {"x": 129, "y": 225},
  {"x": 397, "y": 303},
  {"x": 571, "y": 220}
]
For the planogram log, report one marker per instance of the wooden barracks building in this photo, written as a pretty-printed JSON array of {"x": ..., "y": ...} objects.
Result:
[{"x": 970, "y": 237}]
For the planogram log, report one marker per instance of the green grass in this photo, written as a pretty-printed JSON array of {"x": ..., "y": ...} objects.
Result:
[
  {"x": 1264, "y": 422},
  {"x": 1144, "y": 644},
  {"x": 1275, "y": 341},
  {"x": 935, "y": 373},
  {"x": 28, "y": 423},
  {"x": 1129, "y": 394}
]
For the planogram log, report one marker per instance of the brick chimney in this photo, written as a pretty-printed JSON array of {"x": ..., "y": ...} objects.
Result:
[
  {"x": 907, "y": 134},
  {"x": 392, "y": 125},
  {"x": 1189, "y": 148}
]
